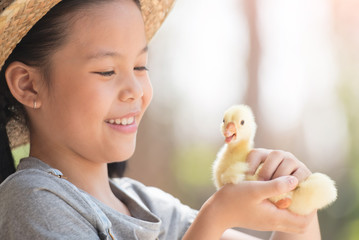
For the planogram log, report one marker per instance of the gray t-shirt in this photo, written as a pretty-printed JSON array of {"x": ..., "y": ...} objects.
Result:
[{"x": 36, "y": 203}]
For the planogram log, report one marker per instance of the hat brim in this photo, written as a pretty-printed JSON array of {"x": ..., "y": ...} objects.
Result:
[{"x": 19, "y": 16}]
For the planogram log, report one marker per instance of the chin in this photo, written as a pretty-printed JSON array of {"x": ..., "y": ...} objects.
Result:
[
  {"x": 119, "y": 151},
  {"x": 123, "y": 154}
]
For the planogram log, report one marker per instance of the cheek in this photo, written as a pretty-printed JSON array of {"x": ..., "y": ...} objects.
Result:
[
  {"x": 147, "y": 93},
  {"x": 78, "y": 108}
]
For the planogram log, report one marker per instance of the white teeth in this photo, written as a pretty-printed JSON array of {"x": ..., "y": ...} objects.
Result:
[
  {"x": 130, "y": 120},
  {"x": 123, "y": 121}
]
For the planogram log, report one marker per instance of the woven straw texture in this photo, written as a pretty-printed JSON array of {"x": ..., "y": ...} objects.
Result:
[
  {"x": 17, "y": 19},
  {"x": 18, "y": 16},
  {"x": 154, "y": 12}
]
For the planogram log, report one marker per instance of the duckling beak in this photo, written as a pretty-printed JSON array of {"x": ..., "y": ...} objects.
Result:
[{"x": 230, "y": 132}]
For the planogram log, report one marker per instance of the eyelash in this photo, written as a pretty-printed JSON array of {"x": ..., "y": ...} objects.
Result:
[
  {"x": 106, "y": 74},
  {"x": 141, "y": 68},
  {"x": 110, "y": 73}
]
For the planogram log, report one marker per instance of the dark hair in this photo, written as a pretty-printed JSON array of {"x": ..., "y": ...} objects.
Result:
[{"x": 35, "y": 50}]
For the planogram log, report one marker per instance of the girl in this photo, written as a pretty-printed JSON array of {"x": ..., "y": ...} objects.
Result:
[{"x": 78, "y": 81}]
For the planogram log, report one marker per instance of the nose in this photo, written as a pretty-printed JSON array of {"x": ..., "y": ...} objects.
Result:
[{"x": 131, "y": 90}]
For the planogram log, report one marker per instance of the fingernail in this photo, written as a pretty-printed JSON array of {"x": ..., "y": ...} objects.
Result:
[{"x": 292, "y": 180}]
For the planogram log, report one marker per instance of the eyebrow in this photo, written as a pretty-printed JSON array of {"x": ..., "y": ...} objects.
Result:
[{"x": 106, "y": 53}]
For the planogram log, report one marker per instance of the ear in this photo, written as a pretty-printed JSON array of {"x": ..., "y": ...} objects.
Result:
[{"x": 24, "y": 82}]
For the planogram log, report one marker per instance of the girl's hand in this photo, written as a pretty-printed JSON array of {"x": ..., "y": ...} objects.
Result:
[
  {"x": 276, "y": 164},
  {"x": 245, "y": 205}
]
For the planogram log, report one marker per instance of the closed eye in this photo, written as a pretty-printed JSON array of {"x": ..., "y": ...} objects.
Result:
[
  {"x": 142, "y": 68},
  {"x": 106, "y": 74}
]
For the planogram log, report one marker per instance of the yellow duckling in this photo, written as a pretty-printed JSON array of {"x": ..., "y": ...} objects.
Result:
[{"x": 239, "y": 128}]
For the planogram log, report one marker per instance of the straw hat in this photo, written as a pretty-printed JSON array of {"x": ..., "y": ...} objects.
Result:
[{"x": 18, "y": 16}]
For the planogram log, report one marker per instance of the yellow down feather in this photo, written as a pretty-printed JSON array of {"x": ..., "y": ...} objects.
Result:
[{"x": 238, "y": 128}]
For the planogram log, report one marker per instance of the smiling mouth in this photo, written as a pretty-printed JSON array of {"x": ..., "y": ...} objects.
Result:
[{"x": 121, "y": 121}]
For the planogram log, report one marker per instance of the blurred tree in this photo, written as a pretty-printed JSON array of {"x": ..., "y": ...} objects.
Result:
[
  {"x": 253, "y": 57},
  {"x": 342, "y": 221},
  {"x": 252, "y": 92},
  {"x": 347, "y": 224}
]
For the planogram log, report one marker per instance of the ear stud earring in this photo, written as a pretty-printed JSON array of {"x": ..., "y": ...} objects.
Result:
[{"x": 35, "y": 104}]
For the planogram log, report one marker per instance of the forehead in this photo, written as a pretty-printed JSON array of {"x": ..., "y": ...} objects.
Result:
[{"x": 114, "y": 24}]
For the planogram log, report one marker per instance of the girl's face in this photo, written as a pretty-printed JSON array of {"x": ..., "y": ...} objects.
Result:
[{"x": 99, "y": 87}]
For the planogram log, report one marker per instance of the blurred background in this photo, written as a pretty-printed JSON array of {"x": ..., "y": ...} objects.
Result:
[{"x": 296, "y": 63}]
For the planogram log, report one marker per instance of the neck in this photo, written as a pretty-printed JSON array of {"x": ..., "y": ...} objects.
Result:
[
  {"x": 90, "y": 176},
  {"x": 243, "y": 146}
]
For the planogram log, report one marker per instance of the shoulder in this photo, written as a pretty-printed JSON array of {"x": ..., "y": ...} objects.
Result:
[
  {"x": 32, "y": 184},
  {"x": 36, "y": 182},
  {"x": 31, "y": 177},
  {"x": 41, "y": 205},
  {"x": 30, "y": 189},
  {"x": 26, "y": 182},
  {"x": 38, "y": 188}
]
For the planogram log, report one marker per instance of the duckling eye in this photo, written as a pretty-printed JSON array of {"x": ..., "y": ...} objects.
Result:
[
  {"x": 224, "y": 120},
  {"x": 242, "y": 122}
]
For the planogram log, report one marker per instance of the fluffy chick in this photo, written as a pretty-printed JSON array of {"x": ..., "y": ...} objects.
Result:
[{"x": 238, "y": 128}]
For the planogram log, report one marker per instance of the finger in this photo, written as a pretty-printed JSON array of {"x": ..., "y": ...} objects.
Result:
[
  {"x": 283, "y": 203},
  {"x": 270, "y": 165},
  {"x": 292, "y": 223},
  {"x": 302, "y": 173},
  {"x": 287, "y": 167},
  {"x": 254, "y": 158},
  {"x": 267, "y": 189},
  {"x": 285, "y": 221}
]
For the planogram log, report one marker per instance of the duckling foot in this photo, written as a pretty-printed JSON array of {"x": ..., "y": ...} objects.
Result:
[{"x": 283, "y": 203}]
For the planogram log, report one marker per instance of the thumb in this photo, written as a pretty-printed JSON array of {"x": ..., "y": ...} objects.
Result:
[{"x": 278, "y": 186}]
